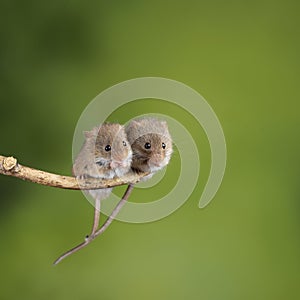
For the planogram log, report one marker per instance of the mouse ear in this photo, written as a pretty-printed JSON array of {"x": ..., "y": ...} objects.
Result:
[
  {"x": 87, "y": 134},
  {"x": 134, "y": 123},
  {"x": 163, "y": 125},
  {"x": 92, "y": 133}
]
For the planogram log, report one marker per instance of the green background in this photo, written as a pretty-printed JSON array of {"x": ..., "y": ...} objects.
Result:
[{"x": 243, "y": 57}]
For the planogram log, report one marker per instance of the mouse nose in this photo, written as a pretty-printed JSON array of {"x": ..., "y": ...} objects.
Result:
[
  {"x": 116, "y": 164},
  {"x": 156, "y": 159}
]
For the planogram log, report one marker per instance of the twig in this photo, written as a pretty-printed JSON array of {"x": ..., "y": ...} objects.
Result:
[
  {"x": 9, "y": 166},
  {"x": 91, "y": 237}
]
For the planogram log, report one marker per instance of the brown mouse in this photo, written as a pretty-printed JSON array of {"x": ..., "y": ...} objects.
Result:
[
  {"x": 106, "y": 153},
  {"x": 151, "y": 144}
]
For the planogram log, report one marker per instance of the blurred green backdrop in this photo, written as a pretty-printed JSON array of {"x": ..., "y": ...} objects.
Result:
[{"x": 243, "y": 57}]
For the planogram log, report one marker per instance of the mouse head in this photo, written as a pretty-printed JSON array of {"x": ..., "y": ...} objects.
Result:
[
  {"x": 151, "y": 144},
  {"x": 110, "y": 147}
]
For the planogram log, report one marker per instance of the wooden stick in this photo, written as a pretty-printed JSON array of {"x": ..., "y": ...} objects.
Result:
[{"x": 9, "y": 166}]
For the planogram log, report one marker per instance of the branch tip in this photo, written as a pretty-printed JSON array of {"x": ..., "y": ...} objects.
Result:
[{"x": 9, "y": 163}]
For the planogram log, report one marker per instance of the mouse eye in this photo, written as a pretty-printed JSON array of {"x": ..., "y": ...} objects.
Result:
[
  {"x": 107, "y": 148},
  {"x": 147, "y": 146},
  {"x": 163, "y": 145},
  {"x": 124, "y": 144}
]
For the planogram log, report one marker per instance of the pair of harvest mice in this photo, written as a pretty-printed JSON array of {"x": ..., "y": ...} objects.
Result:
[{"x": 111, "y": 150}]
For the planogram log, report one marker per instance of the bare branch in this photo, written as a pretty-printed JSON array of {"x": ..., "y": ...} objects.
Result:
[{"x": 9, "y": 166}]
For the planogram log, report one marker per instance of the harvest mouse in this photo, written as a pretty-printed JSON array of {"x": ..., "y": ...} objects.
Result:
[
  {"x": 106, "y": 153},
  {"x": 151, "y": 145}
]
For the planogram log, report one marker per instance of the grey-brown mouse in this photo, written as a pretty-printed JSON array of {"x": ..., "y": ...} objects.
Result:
[
  {"x": 106, "y": 153},
  {"x": 151, "y": 144}
]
